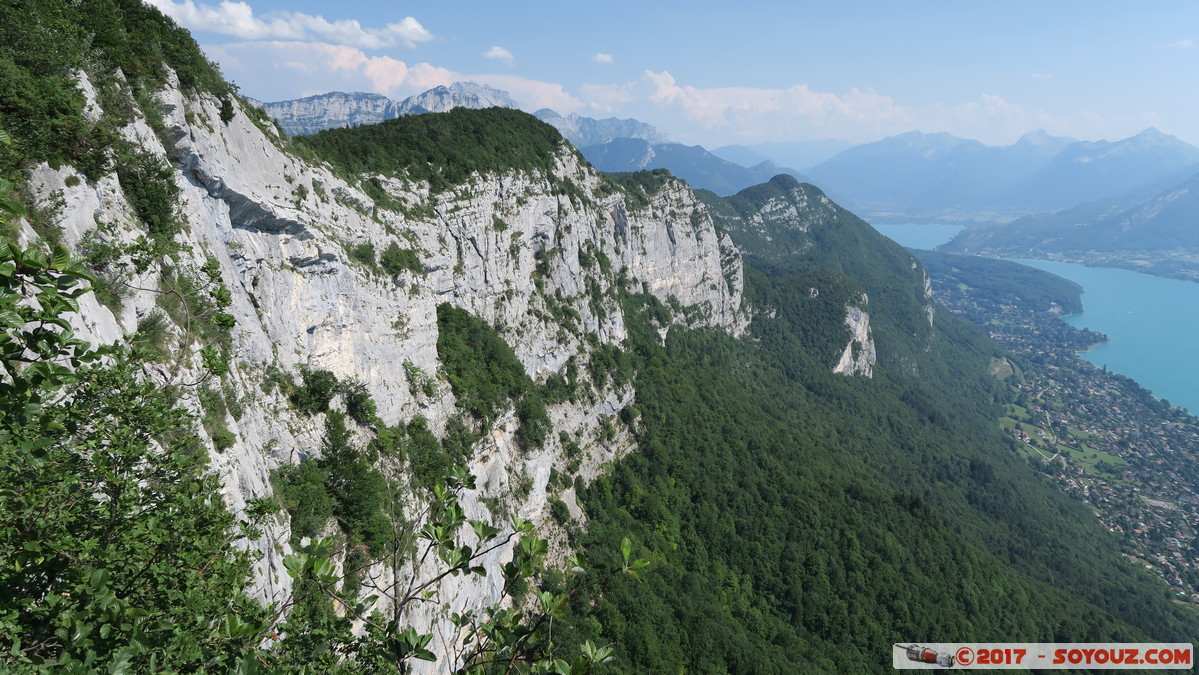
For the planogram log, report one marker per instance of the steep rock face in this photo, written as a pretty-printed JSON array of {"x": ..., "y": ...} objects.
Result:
[
  {"x": 859, "y": 356},
  {"x": 335, "y": 109},
  {"x": 509, "y": 248},
  {"x": 457, "y": 95}
]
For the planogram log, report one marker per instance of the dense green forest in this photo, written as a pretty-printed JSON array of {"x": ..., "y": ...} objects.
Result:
[
  {"x": 443, "y": 149},
  {"x": 1004, "y": 281},
  {"x": 803, "y": 520}
]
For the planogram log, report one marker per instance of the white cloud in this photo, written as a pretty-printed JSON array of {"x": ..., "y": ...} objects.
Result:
[
  {"x": 1183, "y": 44},
  {"x": 500, "y": 54},
  {"x": 532, "y": 94},
  {"x": 740, "y": 106},
  {"x": 606, "y": 98},
  {"x": 237, "y": 19},
  {"x": 602, "y": 58},
  {"x": 274, "y": 70},
  {"x": 753, "y": 114}
]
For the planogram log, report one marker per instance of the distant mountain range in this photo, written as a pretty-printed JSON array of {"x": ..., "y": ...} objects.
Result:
[
  {"x": 585, "y": 131},
  {"x": 1165, "y": 221},
  {"x": 300, "y": 117},
  {"x": 610, "y": 144},
  {"x": 799, "y": 154},
  {"x": 700, "y": 168},
  {"x": 943, "y": 177},
  {"x": 304, "y": 116}
]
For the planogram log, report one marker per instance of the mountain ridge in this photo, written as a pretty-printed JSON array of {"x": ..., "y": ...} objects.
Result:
[
  {"x": 311, "y": 114},
  {"x": 694, "y": 164},
  {"x": 943, "y": 177}
]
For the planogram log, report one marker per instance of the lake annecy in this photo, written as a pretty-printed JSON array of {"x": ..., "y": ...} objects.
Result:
[{"x": 1153, "y": 322}]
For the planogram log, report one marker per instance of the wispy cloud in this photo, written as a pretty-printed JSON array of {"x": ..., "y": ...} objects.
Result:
[
  {"x": 724, "y": 106},
  {"x": 753, "y": 114},
  {"x": 333, "y": 66},
  {"x": 602, "y": 58},
  {"x": 500, "y": 54},
  {"x": 1183, "y": 44},
  {"x": 326, "y": 67},
  {"x": 237, "y": 19}
]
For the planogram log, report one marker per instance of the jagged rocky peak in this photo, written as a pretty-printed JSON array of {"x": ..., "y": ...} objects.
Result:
[
  {"x": 456, "y": 95},
  {"x": 586, "y": 131}
]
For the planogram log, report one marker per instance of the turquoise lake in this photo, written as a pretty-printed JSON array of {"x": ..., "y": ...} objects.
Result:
[{"x": 1152, "y": 322}]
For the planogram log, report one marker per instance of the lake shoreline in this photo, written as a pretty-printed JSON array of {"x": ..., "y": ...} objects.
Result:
[{"x": 1143, "y": 315}]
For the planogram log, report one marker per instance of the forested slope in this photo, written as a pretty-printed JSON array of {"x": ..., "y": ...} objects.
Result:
[{"x": 802, "y": 520}]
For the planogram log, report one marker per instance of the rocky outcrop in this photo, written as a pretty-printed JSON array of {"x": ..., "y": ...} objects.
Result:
[{"x": 859, "y": 356}]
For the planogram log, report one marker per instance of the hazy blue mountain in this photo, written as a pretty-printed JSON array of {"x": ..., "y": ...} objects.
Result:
[
  {"x": 740, "y": 154},
  {"x": 1165, "y": 221},
  {"x": 1090, "y": 170},
  {"x": 309, "y": 115},
  {"x": 801, "y": 154},
  {"x": 935, "y": 175},
  {"x": 700, "y": 168},
  {"x": 584, "y": 131},
  {"x": 940, "y": 176}
]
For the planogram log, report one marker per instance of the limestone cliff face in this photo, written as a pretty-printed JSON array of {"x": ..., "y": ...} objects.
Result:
[
  {"x": 508, "y": 248},
  {"x": 859, "y": 356}
]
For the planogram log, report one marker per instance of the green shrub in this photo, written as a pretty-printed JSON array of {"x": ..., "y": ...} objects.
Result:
[
  {"x": 395, "y": 260},
  {"x": 149, "y": 186},
  {"x": 317, "y": 388},
  {"x": 150, "y": 340},
  {"x": 358, "y": 402},
  {"x": 364, "y": 253}
]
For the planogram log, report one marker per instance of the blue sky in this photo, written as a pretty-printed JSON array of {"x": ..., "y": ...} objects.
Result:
[{"x": 742, "y": 72}]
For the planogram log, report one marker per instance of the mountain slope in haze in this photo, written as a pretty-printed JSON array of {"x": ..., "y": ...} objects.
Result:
[
  {"x": 309, "y": 115},
  {"x": 1159, "y": 234},
  {"x": 799, "y": 154},
  {"x": 700, "y": 168},
  {"x": 1090, "y": 170},
  {"x": 933, "y": 174},
  {"x": 943, "y": 177}
]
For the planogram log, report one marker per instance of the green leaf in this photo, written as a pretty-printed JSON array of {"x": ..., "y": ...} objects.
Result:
[{"x": 60, "y": 257}]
